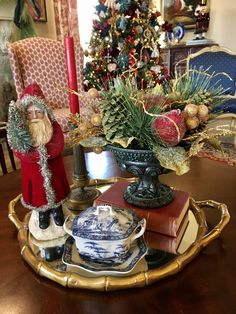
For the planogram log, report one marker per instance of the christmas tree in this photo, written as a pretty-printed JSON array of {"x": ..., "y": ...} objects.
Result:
[
  {"x": 125, "y": 41},
  {"x": 17, "y": 132}
]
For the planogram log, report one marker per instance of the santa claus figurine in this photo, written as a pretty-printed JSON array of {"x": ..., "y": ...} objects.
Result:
[
  {"x": 202, "y": 21},
  {"x": 44, "y": 182}
]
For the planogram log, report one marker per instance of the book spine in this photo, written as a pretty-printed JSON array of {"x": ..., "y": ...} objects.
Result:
[
  {"x": 161, "y": 243},
  {"x": 160, "y": 224}
]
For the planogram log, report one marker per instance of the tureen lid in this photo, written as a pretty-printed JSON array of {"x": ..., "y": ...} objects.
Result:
[{"x": 105, "y": 223}]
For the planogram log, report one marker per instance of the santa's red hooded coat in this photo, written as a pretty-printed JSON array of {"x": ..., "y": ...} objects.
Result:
[
  {"x": 44, "y": 181},
  {"x": 34, "y": 190}
]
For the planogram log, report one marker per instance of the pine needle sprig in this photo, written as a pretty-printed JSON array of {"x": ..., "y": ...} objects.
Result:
[
  {"x": 195, "y": 87},
  {"x": 17, "y": 131}
]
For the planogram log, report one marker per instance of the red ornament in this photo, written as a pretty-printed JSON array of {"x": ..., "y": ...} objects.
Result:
[
  {"x": 130, "y": 39},
  {"x": 132, "y": 60},
  {"x": 170, "y": 127},
  {"x": 134, "y": 31},
  {"x": 156, "y": 14}
]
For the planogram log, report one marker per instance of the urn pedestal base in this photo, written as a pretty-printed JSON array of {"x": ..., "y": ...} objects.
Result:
[
  {"x": 138, "y": 195},
  {"x": 147, "y": 192}
]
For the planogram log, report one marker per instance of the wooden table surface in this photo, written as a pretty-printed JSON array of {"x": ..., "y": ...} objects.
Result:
[{"x": 205, "y": 285}]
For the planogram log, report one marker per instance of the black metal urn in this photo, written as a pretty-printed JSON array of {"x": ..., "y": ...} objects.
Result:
[{"x": 148, "y": 191}]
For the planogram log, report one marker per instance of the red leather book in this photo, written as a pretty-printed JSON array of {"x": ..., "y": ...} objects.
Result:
[
  {"x": 166, "y": 243},
  {"x": 166, "y": 219}
]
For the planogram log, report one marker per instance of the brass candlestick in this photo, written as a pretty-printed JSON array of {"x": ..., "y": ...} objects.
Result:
[{"x": 81, "y": 196}]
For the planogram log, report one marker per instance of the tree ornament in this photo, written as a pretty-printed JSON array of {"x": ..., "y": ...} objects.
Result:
[
  {"x": 140, "y": 64},
  {"x": 124, "y": 5},
  {"x": 132, "y": 59},
  {"x": 122, "y": 22},
  {"x": 123, "y": 60},
  {"x": 144, "y": 5},
  {"x": 107, "y": 39},
  {"x": 156, "y": 69},
  {"x": 137, "y": 12},
  {"x": 110, "y": 3},
  {"x": 96, "y": 119},
  {"x": 139, "y": 29},
  {"x": 100, "y": 7},
  {"x": 102, "y": 14},
  {"x": 191, "y": 110},
  {"x": 155, "y": 52},
  {"x": 111, "y": 67},
  {"x": 117, "y": 8}
]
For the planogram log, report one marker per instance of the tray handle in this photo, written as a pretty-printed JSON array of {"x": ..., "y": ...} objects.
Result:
[
  {"x": 12, "y": 214},
  {"x": 224, "y": 220}
]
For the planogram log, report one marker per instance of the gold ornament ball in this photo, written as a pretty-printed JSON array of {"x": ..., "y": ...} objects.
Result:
[
  {"x": 96, "y": 119},
  {"x": 202, "y": 112},
  {"x": 82, "y": 128},
  {"x": 191, "y": 110},
  {"x": 192, "y": 123},
  {"x": 204, "y": 119},
  {"x": 97, "y": 150},
  {"x": 93, "y": 92}
]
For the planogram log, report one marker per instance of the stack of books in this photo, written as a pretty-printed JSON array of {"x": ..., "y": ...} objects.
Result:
[{"x": 165, "y": 226}]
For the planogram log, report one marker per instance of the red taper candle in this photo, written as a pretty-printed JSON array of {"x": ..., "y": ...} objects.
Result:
[{"x": 71, "y": 73}]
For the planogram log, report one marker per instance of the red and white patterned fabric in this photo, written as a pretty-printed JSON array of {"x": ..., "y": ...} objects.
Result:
[{"x": 42, "y": 60}]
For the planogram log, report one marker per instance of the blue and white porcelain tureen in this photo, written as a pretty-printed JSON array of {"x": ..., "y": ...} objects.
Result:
[{"x": 105, "y": 232}]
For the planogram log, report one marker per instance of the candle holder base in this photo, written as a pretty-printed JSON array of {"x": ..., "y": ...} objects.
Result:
[
  {"x": 81, "y": 195},
  {"x": 82, "y": 198}
]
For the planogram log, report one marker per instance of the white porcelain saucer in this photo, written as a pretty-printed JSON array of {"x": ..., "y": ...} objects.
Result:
[{"x": 71, "y": 257}]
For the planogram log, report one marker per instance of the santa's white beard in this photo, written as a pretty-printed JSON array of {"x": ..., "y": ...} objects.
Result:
[{"x": 40, "y": 131}]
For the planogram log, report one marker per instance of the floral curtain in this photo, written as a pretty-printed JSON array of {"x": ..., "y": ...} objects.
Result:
[{"x": 66, "y": 18}]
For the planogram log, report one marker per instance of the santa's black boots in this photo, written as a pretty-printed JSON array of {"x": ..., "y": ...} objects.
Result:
[
  {"x": 58, "y": 216},
  {"x": 44, "y": 219}
]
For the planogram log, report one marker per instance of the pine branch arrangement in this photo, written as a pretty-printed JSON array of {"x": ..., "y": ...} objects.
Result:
[{"x": 171, "y": 119}]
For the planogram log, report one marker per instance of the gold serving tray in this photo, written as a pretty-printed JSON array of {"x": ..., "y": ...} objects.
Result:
[{"x": 77, "y": 279}]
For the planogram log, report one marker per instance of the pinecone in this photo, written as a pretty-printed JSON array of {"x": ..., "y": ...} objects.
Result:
[
  {"x": 201, "y": 98},
  {"x": 115, "y": 118}
]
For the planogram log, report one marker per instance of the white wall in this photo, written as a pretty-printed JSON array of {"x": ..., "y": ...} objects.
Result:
[{"x": 223, "y": 23}]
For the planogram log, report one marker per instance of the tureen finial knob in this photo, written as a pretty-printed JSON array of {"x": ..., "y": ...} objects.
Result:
[{"x": 103, "y": 208}]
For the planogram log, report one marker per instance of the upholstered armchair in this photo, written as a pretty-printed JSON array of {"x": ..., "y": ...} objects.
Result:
[
  {"x": 222, "y": 63},
  {"x": 42, "y": 60}
]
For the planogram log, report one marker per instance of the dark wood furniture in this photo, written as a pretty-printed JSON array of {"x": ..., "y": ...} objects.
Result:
[
  {"x": 178, "y": 53},
  {"x": 3, "y": 140},
  {"x": 206, "y": 285}
]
